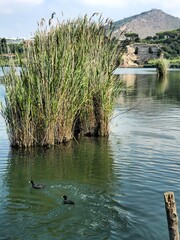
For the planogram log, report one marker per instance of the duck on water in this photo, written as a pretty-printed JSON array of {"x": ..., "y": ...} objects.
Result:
[
  {"x": 67, "y": 201},
  {"x": 37, "y": 185},
  {"x": 40, "y": 186}
]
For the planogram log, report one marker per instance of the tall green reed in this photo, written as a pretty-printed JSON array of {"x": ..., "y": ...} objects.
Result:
[
  {"x": 65, "y": 84},
  {"x": 162, "y": 67}
]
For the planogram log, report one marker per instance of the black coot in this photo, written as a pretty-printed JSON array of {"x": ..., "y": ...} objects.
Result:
[
  {"x": 67, "y": 201},
  {"x": 37, "y": 185}
]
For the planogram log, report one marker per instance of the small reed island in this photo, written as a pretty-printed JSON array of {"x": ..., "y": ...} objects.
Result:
[{"x": 66, "y": 84}]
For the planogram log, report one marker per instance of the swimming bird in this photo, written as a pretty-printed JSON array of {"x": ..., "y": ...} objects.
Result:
[
  {"x": 67, "y": 201},
  {"x": 37, "y": 185}
]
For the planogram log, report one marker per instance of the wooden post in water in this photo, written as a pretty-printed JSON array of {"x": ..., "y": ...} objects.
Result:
[{"x": 172, "y": 216}]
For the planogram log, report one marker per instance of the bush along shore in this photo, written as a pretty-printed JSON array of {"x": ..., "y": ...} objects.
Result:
[
  {"x": 172, "y": 63},
  {"x": 65, "y": 86},
  {"x": 162, "y": 67}
]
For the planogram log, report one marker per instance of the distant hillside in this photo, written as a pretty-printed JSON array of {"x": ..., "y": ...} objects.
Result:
[{"x": 146, "y": 24}]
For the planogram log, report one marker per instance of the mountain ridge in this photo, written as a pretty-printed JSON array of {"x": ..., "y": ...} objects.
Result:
[{"x": 146, "y": 24}]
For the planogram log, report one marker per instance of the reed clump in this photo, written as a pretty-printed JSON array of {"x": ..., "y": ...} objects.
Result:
[
  {"x": 162, "y": 67},
  {"x": 66, "y": 84}
]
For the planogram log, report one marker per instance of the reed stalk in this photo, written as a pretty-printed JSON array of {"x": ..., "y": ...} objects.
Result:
[{"x": 65, "y": 84}]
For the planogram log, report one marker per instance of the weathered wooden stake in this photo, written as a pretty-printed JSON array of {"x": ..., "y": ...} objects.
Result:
[{"x": 172, "y": 216}]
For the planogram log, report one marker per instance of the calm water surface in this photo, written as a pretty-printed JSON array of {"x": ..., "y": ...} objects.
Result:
[{"x": 116, "y": 183}]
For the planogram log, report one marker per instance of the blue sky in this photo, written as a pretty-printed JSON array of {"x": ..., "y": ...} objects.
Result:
[{"x": 18, "y": 18}]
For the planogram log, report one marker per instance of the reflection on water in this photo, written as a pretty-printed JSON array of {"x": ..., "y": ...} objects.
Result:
[
  {"x": 117, "y": 183},
  {"x": 149, "y": 85},
  {"x": 81, "y": 171}
]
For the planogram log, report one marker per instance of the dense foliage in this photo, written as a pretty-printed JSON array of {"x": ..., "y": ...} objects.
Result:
[
  {"x": 170, "y": 42},
  {"x": 162, "y": 67},
  {"x": 6, "y": 47}
]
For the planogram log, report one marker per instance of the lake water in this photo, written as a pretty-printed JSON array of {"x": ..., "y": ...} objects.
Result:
[{"x": 117, "y": 183}]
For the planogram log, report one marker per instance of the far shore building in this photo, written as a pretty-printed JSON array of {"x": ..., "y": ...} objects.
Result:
[{"x": 15, "y": 40}]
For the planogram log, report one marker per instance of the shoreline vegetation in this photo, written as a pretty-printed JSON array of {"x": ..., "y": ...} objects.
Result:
[
  {"x": 162, "y": 67},
  {"x": 8, "y": 61},
  {"x": 65, "y": 87},
  {"x": 173, "y": 63}
]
